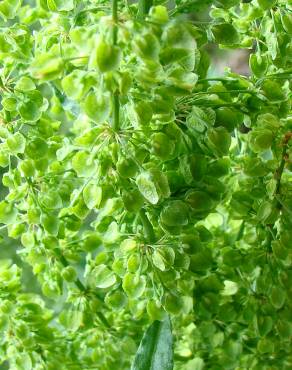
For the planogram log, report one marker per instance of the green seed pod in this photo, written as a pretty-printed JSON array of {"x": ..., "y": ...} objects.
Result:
[
  {"x": 116, "y": 300},
  {"x": 107, "y": 56},
  {"x": 162, "y": 146},
  {"x": 219, "y": 140},
  {"x": 27, "y": 168},
  {"x": 69, "y": 274},
  {"x": 173, "y": 304},
  {"x": 199, "y": 201},
  {"x": 127, "y": 167},
  {"x": 133, "y": 200},
  {"x": 155, "y": 310},
  {"x": 175, "y": 213},
  {"x": 228, "y": 118}
]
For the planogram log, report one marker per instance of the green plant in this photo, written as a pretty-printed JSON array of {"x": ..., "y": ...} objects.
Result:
[{"x": 143, "y": 191}]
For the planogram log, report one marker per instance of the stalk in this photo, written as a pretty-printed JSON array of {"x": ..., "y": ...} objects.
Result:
[
  {"x": 115, "y": 20},
  {"x": 144, "y": 7},
  {"x": 280, "y": 170},
  {"x": 116, "y": 100}
]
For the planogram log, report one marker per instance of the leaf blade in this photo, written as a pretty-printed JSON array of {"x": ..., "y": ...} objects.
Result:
[{"x": 155, "y": 351}]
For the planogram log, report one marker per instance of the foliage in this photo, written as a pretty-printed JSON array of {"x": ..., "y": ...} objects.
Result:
[{"x": 140, "y": 190}]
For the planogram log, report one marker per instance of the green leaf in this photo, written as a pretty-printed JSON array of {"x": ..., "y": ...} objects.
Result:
[
  {"x": 8, "y": 213},
  {"x": 107, "y": 56},
  {"x": 134, "y": 285},
  {"x": 83, "y": 164},
  {"x": 225, "y": 34},
  {"x": 25, "y": 84},
  {"x": 147, "y": 187},
  {"x": 163, "y": 258},
  {"x": 156, "y": 348},
  {"x": 103, "y": 276},
  {"x": 92, "y": 195},
  {"x": 16, "y": 143},
  {"x": 9, "y": 8},
  {"x": 175, "y": 213},
  {"x": 46, "y": 67},
  {"x": 97, "y": 106}
]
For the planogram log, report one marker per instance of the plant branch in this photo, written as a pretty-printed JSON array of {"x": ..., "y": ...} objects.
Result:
[
  {"x": 280, "y": 170},
  {"x": 83, "y": 289}
]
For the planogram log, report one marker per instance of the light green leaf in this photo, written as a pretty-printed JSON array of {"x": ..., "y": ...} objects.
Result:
[
  {"x": 83, "y": 164},
  {"x": 97, "y": 106},
  {"x": 8, "y": 213},
  {"x": 16, "y": 143},
  {"x": 147, "y": 187},
  {"x": 230, "y": 288},
  {"x": 92, "y": 195},
  {"x": 25, "y": 84},
  {"x": 103, "y": 276}
]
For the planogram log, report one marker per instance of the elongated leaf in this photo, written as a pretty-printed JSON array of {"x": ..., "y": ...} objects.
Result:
[{"x": 155, "y": 351}]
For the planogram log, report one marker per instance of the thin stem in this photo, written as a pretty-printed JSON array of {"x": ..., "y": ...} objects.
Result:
[
  {"x": 115, "y": 20},
  {"x": 280, "y": 170},
  {"x": 240, "y": 231},
  {"x": 116, "y": 100},
  {"x": 222, "y": 79},
  {"x": 148, "y": 228},
  {"x": 144, "y": 7},
  {"x": 116, "y": 111}
]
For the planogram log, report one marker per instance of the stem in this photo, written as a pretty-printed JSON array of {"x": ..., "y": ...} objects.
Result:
[
  {"x": 280, "y": 170},
  {"x": 240, "y": 231},
  {"x": 116, "y": 100},
  {"x": 148, "y": 228},
  {"x": 144, "y": 7},
  {"x": 115, "y": 20},
  {"x": 116, "y": 111}
]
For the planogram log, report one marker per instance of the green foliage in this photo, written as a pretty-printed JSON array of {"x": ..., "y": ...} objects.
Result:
[{"x": 140, "y": 191}]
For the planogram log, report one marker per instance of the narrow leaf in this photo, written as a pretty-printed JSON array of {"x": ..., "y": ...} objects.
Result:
[{"x": 156, "y": 348}]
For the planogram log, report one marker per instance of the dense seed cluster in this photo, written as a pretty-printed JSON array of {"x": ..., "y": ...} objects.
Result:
[{"x": 140, "y": 188}]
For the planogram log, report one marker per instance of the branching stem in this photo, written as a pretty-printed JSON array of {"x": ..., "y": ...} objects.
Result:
[{"x": 83, "y": 289}]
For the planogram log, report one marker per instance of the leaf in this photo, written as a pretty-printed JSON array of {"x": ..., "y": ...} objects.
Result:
[
  {"x": 225, "y": 34},
  {"x": 196, "y": 363},
  {"x": 8, "y": 213},
  {"x": 230, "y": 288},
  {"x": 147, "y": 187},
  {"x": 16, "y": 143},
  {"x": 8, "y": 8},
  {"x": 200, "y": 119},
  {"x": 73, "y": 84},
  {"x": 92, "y": 195},
  {"x": 156, "y": 348},
  {"x": 25, "y": 84},
  {"x": 103, "y": 276},
  {"x": 97, "y": 106},
  {"x": 83, "y": 164},
  {"x": 134, "y": 285}
]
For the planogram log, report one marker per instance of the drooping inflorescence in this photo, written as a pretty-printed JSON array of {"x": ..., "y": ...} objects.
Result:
[{"x": 139, "y": 188}]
